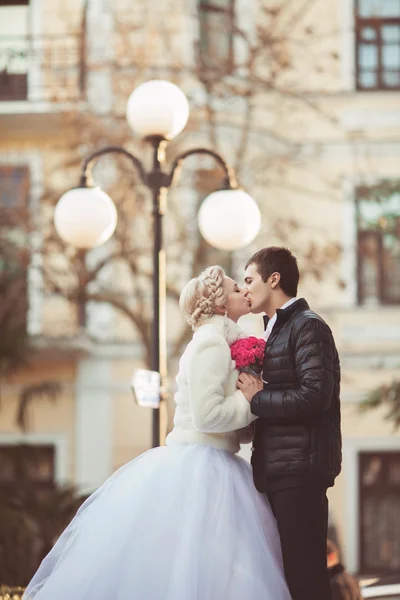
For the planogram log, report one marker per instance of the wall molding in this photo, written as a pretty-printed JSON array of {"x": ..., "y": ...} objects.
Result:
[
  {"x": 347, "y": 45},
  {"x": 93, "y": 424}
]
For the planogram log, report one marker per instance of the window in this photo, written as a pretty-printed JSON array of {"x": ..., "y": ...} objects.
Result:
[
  {"x": 216, "y": 21},
  {"x": 14, "y": 186},
  {"x": 378, "y": 44},
  {"x": 14, "y": 50},
  {"x": 379, "y": 507},
  {"x": 378, "y": 224},
  {"x": 14, "y": 194}
]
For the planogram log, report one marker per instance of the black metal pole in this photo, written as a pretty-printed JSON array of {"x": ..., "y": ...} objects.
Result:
[
  {"x": 158, "y": 343},
  {"x": 158, "y": 182},
  {"x": 155, "y": 337}
]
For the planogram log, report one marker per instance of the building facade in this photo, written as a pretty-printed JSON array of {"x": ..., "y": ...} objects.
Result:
[{"x": 304, "y": 102}]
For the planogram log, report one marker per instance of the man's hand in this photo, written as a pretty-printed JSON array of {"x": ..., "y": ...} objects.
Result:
[{"x": 249, "y": 385}]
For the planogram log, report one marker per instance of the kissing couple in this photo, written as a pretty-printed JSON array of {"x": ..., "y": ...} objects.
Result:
[{"x": 193, "y": 521}]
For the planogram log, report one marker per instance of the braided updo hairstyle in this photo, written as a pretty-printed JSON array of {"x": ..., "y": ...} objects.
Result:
[{"x": 200, "y": 297}]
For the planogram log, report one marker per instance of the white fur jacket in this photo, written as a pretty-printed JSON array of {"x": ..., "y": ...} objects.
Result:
[{"x": 209, "y": 408}]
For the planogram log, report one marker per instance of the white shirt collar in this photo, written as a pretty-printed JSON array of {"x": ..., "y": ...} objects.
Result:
[{"x": 272, "y": 320}]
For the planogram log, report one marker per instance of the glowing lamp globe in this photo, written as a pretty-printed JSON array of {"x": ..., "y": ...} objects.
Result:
[
  {"x": 229, "y": 219},
  {"x": 157, "y": 108},
  {"x": 85, "y": 217}
]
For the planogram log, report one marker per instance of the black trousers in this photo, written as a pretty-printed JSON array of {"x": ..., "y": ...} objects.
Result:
[{"x": 302, "y": 517}]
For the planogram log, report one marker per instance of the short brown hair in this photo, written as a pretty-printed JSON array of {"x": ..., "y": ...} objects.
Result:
[{"x": 275, "y": 259}]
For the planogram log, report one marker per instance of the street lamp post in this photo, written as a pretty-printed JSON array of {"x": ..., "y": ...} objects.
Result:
[{"x": 86, "y": 217}]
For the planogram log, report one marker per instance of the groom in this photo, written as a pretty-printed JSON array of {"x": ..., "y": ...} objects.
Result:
[{"x": 297, "y": 441}]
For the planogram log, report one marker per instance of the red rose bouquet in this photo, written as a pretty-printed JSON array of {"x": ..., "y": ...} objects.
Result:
[{"x": 248, "y": 354}]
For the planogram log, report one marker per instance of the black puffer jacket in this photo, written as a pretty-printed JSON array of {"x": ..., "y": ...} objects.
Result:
[{"x": 298, "y": 432}]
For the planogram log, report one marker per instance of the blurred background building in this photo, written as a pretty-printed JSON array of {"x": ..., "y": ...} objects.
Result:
[{"x": 302, "y": 98}]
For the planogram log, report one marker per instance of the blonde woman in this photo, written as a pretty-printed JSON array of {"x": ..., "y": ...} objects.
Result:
[{"x": 184, "y": 521}]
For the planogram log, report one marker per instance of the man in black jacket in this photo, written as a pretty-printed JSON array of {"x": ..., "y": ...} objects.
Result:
[{"x": 297, "y": 442}]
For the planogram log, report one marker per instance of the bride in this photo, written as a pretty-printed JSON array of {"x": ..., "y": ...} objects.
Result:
[{"x": 183, "y": 521}]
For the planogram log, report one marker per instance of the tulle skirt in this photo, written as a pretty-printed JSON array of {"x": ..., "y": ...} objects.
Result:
[{"x": 181, "y": 522}]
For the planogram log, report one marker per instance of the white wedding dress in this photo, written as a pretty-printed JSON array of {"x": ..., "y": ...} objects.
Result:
[{"x": 180, "y": 522}]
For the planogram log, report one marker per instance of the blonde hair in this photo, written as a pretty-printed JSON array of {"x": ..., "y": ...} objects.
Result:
[{"x": 200, "y": 297}]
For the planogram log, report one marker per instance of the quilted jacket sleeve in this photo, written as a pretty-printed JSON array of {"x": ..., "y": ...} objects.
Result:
[
  {"x": 314, "y": 353},
  {"x": 208, "y": 370}
]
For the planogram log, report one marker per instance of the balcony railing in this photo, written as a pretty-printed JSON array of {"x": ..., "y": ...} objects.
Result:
[{"x": 45, "y": 69}]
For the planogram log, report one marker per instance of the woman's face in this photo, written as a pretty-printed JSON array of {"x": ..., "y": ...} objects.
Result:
[{"x": 236, "y": 303}]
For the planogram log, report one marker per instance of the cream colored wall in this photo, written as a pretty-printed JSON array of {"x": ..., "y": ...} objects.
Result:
[
  {"x": 351, "y": 137},
  {"x": 131, "y": 423},
  {"x": 62, "y": 21}
]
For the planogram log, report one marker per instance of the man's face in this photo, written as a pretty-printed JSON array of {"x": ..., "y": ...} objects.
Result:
[{"x": 258, "y": 291}]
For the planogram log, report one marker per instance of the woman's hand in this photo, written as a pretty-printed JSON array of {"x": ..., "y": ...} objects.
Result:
[{"x": 249, "y": 385}]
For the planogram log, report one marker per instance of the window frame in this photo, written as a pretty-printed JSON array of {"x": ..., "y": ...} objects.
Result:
[
  {"x": 205, "y": 8},
  {"x": 375, "y": 23},
  {"x": 385, "y": 488},
  {"x": 383, "y": 299}
]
